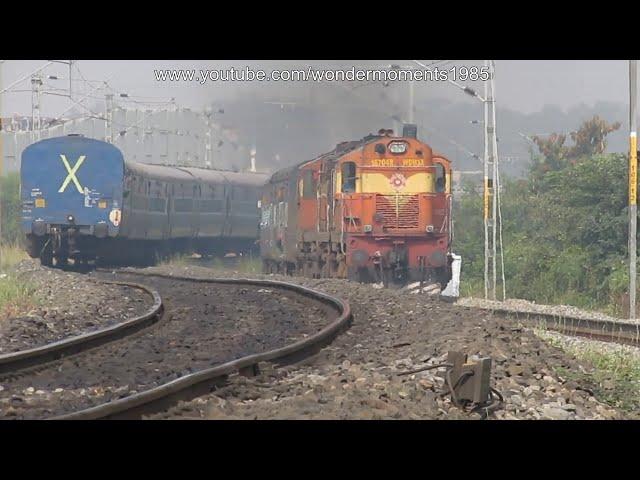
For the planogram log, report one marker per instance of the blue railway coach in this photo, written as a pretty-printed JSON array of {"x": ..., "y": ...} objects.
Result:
[{"x": 82, "y": 200}]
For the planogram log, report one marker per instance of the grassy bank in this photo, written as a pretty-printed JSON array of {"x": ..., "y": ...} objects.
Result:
[
  {"x": 615, "y": 378},
  {"x": 10, "y": 255},
  {"x": 17, "y": 296}
]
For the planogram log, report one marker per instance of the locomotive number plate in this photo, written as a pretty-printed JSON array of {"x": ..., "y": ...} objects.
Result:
[
  {"x": 412, "y": 162},
  {"x": 382, "y": 162},
  {"x": 392, "y": 162}
]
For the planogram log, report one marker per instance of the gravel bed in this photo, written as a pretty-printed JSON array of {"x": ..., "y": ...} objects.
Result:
[
  {"x": 532, "y": 307},
  {"x": 203, "y": 325},
  {"x": 356, "y": 377},
  {"x": 580, "y": 343},
  {"x": 67, "y": 305}
]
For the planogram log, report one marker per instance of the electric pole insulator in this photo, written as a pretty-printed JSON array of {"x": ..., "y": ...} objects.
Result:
[{"x": 470, "y": 91}]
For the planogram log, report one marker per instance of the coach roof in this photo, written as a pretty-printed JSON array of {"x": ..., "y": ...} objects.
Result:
[{"x": 159, "y": 172}]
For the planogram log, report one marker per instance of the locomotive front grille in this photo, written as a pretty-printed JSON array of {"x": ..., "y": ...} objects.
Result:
[{"x": 399, "y": 212}]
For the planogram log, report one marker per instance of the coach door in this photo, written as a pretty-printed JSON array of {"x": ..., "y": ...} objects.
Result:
[
  {"x": 166, "y": 231},
  {"x": 308, "y": 204},
  {"x": 195, "y": 213},
  {"x": 171, "y": 189},
  {"x": 323, "y": 197},
  {"x": 441, "y": 199},
  {"x": 228, "y": 220}
]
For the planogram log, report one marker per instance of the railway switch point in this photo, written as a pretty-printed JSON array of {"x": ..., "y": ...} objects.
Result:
[{"x": 468, "y": 381}]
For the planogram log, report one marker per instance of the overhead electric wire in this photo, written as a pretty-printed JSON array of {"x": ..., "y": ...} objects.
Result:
[
  {"x": 393, "y": 117},
  {"x": 25, "y": 77},
  {"x": 153, "y": 103},
  {"x": 129, "y": 97}
]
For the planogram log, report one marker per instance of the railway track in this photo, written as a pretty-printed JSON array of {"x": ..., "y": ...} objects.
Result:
[
  {"x": 55, "y": 350},
  {"x": 206, "y": 330},
  {"x": 621, "y": 332}
]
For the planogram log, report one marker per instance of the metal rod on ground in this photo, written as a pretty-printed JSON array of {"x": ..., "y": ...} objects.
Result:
[{"x": 633, "y": 183}]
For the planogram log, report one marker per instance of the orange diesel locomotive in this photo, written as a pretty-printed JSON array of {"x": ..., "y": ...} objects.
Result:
[{"x": 376, "y": 209}]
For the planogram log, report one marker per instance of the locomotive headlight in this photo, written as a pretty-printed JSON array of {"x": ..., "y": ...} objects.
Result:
[
  {"x": 397, "y": 147},
  {"x": 70, "y": 218},
  {"x": 430, "y": 228}
]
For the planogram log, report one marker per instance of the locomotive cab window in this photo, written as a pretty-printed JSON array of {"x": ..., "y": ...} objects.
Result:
[
  {"x": 441, "y": 179},
  {"x": 348, "y": 173},
  {"x": 308, "y": 185}
]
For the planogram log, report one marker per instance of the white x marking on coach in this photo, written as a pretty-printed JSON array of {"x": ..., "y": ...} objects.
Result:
[{"x": 71, "y": 173}]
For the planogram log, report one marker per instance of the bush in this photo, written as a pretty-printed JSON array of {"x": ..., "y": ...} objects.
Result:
[
  {"x": 10, "y": 256},
  {"x": 16, "y": 295},
  {"x": 565, "y": 235},
  {"x": 11, "y": 208}
]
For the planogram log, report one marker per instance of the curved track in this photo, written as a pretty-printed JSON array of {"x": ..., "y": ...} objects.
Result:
[
  {"x": 75, "y": 344},
  {"x": 210, "y": 329}
]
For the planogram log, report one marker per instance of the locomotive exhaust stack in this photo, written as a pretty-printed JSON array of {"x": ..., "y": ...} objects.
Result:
[{"x": 410, "y": 130}]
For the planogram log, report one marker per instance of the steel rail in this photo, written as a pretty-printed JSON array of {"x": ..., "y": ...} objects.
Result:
[
  {"x": 605, "y": 330},
  {"x": 203, "y": 381},
  {"x": 14, "y": 361}
]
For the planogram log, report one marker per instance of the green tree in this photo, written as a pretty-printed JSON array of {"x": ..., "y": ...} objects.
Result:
[
  {"x": 554, "y": 155},
  {"x": 591, "y": 137},
  {"x": 564, "y": 227}
]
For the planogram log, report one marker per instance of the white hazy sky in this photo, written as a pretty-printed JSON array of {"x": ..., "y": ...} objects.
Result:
[{"x": 522, "y": 85}]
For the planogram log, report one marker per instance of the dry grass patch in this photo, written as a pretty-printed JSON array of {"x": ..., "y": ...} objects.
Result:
[{"x": 17, "y": 296}]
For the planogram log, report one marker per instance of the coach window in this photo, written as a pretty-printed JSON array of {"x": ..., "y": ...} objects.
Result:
[
  {"x": 441, "y": 179},
  {"x": 348, "y": 177}
]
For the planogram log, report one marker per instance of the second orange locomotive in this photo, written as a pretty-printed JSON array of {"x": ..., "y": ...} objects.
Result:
[{"x": 376, "y": 209}]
